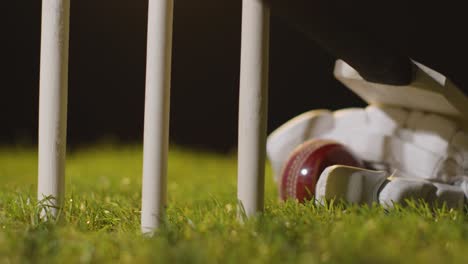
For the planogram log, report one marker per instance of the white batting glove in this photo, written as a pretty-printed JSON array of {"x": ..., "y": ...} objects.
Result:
[{"x": 414, "y": 143}]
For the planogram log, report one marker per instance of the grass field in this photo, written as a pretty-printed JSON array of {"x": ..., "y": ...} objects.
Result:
[{"x": 100, "y": 221}]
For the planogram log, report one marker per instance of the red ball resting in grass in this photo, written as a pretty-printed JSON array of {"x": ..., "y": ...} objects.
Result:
[{"x": 305, "y": 164}]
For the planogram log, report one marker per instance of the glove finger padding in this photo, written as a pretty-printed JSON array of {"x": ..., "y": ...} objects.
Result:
[
  {"x": 350, "y": 184},
  {"x": 361, "y": 186},
  {"x": 453, "y": 196},
  {"x": 400, "y": 190}
]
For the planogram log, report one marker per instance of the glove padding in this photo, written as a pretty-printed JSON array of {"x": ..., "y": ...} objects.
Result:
[{"x": 361, "y": 186}]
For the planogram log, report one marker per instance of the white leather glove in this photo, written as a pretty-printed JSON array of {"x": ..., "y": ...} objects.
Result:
[{"x": 416, "y": 144}]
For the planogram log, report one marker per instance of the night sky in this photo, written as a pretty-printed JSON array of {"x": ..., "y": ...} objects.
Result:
[{"x": 107, "y": 68}]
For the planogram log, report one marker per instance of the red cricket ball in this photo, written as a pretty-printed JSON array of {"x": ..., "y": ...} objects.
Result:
[{"x": 305, "y": 164}]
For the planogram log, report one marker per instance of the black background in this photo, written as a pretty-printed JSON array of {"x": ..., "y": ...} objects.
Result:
[{"x": 107, "y": 67}]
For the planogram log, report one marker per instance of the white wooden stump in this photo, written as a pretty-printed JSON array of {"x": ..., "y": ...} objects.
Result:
[
  {"x": 53, "y": 101},
  {"x": 253, "y": 105},
  {"x": 157, "y": 105}
]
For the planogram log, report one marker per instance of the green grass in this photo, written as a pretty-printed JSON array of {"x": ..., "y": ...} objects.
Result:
[{"x": 100, "y": 221}]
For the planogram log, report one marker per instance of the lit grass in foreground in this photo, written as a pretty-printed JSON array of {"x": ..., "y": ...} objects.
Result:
[{"x": 101, "y": 219}]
